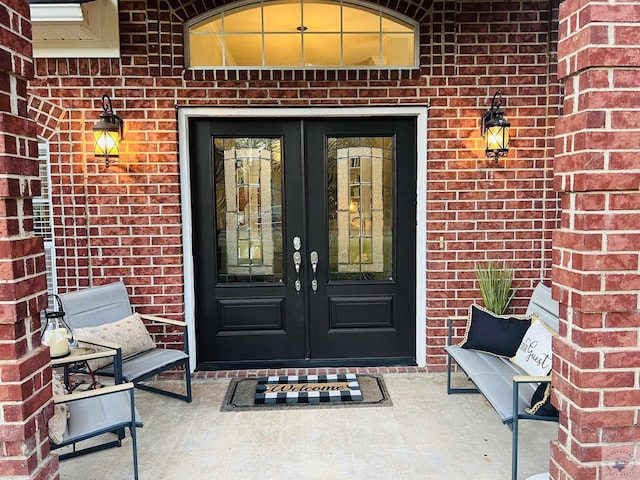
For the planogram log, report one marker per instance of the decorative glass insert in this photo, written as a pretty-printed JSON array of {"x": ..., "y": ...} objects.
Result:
[
  {"x": 248, "y": 189},
  {"x": 302, "y": 34},
  {"x": 360, "y": 177}
]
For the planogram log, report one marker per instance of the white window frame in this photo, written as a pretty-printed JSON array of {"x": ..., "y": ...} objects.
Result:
[
  {"x": 49, "y": 244},
  {"x": 356, "y": 3},
  {"x": 420, "y": 113}
]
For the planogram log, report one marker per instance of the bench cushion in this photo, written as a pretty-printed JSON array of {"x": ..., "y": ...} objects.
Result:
[{"x": 493, "y": 376}]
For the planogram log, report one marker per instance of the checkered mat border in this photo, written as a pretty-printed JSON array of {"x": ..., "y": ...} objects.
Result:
[{"x": 312, "y": 392}]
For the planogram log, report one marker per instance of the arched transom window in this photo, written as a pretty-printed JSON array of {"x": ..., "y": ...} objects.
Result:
[{"x": 302, "y": 34}]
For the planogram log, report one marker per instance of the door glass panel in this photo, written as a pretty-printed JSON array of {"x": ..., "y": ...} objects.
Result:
[
  {"x": 360, "y": 176},
  {"x": 248, "y": 189}
]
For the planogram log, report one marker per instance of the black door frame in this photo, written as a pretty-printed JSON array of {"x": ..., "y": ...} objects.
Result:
[{"x": 420, "y": 112}]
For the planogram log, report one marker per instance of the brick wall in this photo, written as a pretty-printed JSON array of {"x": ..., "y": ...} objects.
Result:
[
  {"x": 487, "y": 212},
  {"x": 596, "y": 258},
  {"x": 25, "y": 378},
  {"x": 125, "y": 222}
]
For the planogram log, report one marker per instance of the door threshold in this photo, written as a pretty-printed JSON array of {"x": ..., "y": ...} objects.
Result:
[
  {"x": 267, "y": 372},
  {"x": 333, "y": 364}
]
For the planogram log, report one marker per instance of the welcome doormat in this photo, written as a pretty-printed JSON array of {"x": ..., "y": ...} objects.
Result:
[
  {"x": 308, "y": 389},
  {"x": 245, "y": 393}
]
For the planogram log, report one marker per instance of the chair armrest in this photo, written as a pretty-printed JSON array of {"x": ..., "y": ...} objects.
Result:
[
  {"x": 59, "y": 362},
  {"x": 178, "y": 323},
  {"x": 93, "y": 393},
  {"x": 168, "y": 321},
  {"x": 517, "y": 380},
  {"x": 455, "y": 318},
  {"x": 531, "y": 379},
  {"x": 117, "y": 358}
]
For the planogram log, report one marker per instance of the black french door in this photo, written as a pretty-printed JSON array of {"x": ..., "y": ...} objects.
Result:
[{"x": 304, "y": 241}]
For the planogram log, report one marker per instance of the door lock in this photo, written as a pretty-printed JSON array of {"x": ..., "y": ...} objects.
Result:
[
  {"x": 314, "y": 266},
  {"x": 297, "y": 260}
]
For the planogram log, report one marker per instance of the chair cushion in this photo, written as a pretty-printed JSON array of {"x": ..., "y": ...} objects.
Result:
[
  {"x": 100, "y": 413},
  {"x": 130, "y": 333},
  {"x": 58, "y": 422},
  {"x": 140, "y": 366},
  {"x": 491, "y": 333},
  {"x": 534, "y": 353}
]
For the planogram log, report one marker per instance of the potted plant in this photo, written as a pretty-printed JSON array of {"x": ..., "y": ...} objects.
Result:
[{"x": 495, "y": 283}]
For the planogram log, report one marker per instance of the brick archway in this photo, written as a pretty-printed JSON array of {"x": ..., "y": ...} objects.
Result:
[{"x": 46, "y": 114}]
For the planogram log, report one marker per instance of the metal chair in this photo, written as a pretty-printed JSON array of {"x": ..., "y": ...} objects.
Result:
[
  {"x": 105, "y": 304},
  {"x": 97, "y": 412}
]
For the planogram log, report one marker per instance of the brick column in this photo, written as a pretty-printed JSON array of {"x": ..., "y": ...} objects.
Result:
[
  {"x": 596, "y": 269},
  {"x": 25, "y": 378}
]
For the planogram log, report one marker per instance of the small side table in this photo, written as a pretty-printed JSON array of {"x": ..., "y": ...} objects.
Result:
[{"x": 80, "y": 356}]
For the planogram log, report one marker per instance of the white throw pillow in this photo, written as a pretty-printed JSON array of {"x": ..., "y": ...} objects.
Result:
[
  {"x": 534, "y": 353},
  {"x": 130, "y": 333}
]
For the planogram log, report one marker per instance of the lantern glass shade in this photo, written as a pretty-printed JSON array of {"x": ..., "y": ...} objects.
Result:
[
  {"x": 497, "y": 139},
  {"x": 106, "y": 143},
  {"x": 107, "y": 133}
]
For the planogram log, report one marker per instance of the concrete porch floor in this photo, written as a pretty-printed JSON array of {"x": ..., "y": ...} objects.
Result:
[{"x": 426, "y": 434}]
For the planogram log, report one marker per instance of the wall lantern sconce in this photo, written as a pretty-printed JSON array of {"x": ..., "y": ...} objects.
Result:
[
  {"x": 495, "y": 129},
  {"x": 107, "y": 133}
]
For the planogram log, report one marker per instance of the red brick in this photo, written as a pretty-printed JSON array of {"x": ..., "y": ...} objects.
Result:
[
  {"x": 621, "y": 398},
  {"x": 622, "y": 359},
  {"x": 621, "y": 434},
  {"x": 625, "y": 119},
  {"x": 622, "y": 320},
  {"x": 605, "y": 261},
  {"x": 607, "y": 181},
  {"x": 623, "y": 241},
  {"x": 603, "y": 380},
  {"x": 598, "y": 417},
  {"x": 607, "y": 302},
  {"x": 625, "y": 78},
  {"x": 617, "y": 282},
  {"x": 611, "y": 13},
  {"x": 605, "y": 338}
]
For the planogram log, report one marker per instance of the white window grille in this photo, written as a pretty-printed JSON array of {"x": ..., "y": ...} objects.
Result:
[
  {"x": 43, "y": 221},
  {"x": 302, "y": 34}
]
